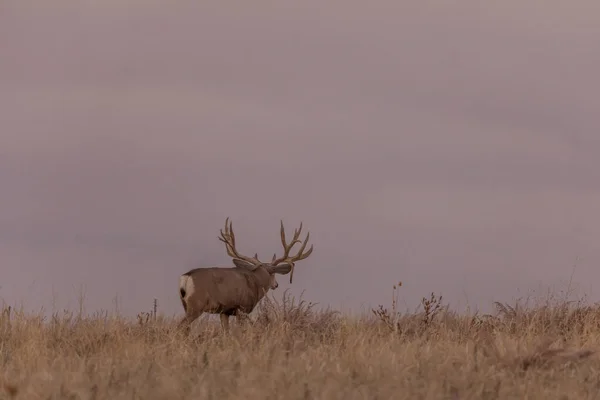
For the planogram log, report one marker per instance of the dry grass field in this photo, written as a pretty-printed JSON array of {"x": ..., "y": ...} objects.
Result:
[{"x": 288, "y": 350}]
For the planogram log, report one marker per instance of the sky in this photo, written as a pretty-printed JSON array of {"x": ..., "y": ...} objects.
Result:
[{"x": 453, "y": 146}]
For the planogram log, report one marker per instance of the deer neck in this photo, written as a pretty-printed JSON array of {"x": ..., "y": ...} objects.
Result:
[{"x": 263, "y": 279}]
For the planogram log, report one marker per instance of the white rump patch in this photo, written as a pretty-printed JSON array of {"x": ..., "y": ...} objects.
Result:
[{"x": 186, "y": 283}]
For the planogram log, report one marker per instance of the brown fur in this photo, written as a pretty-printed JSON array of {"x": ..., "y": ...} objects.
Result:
[{"x": 225, "y": 291}]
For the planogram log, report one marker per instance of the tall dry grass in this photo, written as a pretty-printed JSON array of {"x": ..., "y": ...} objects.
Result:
[{"x": 289, "y": 350}]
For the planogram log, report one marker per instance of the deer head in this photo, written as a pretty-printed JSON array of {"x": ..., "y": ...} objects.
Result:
[{"x": 282, "y": 265}]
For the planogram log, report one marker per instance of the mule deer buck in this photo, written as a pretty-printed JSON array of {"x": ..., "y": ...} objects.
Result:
[{"x": 236, "y": 290}]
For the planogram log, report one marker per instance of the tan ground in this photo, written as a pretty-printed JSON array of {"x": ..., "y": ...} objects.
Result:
[{"x": 288, "y": 351}]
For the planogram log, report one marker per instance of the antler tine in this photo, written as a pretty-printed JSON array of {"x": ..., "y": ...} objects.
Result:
[
  {"x": 286, "y": 247},
  {"x": 296, "y": 236},
  {"x": 225, "y": 235},
  {"x": 231, "y": 234},
  {"x": 228, "y": 237},
  {"x": 300, "y": 255}
]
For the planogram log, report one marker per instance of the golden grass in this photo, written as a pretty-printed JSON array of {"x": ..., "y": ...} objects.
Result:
[{"x": 291, "y": 351}]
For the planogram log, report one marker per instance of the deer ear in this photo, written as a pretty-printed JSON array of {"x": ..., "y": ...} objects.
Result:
[
  {"x": 282, "y": 269},
  {"x": 244, "y": 264}
]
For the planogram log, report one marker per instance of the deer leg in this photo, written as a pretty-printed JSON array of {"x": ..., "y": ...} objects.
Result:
[
  {"x": 186, "y": 323},
  {"x": 225, "y": 322},
  {"x": 241, "y": 317}
]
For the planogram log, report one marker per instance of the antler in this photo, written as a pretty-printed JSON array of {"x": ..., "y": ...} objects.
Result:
[
  {"x": 287, "y": 247},
  {"x": 228, "y": 237}
]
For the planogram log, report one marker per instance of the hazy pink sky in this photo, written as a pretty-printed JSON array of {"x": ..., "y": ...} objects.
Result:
[{"x": 453, "y": 145}]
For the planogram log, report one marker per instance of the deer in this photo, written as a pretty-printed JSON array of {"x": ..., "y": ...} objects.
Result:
[{"x": 235, "y": 291}]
